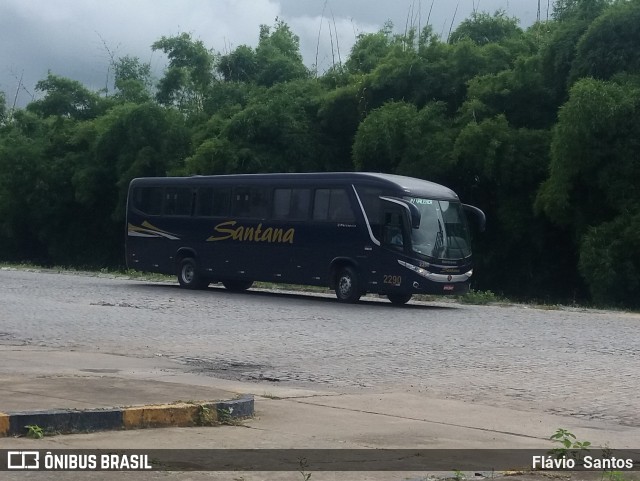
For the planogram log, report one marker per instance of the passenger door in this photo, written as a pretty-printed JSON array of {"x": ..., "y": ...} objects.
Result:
[{"x": 395, "y": 242}]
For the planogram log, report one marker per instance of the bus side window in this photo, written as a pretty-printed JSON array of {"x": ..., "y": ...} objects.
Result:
[
  {"x": 177, "y": 201},
  {"x": 251, "y": 202},
  {"x": 148, "y": 200},
  {"x": 321, "y": 204},
  {"x": 221, "y": 201},
  {"x": 204, "y": 202},
  {"x": 332, "y": 205},
  {"x": 213, "y": 201},
  {"x": 393, "y": 235},
  {"x": 300, "y": 201},
  {"x": 281, "y": 203},
  {"x": 291, "y": 204}
]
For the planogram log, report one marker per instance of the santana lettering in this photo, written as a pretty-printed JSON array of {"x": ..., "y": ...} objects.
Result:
[{"x": 228, "y": 230}]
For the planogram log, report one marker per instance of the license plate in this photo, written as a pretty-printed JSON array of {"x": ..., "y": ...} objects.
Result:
[{"x": 449, "y": 288}]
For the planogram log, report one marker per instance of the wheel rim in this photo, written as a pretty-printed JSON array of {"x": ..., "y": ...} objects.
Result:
[
  {"x": 188, "y": 273},
  {"x": 345, "y": 286}
]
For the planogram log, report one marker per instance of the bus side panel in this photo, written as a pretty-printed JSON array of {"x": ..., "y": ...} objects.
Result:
[
  {"x": 328, "y": 241},
  {"x": 276, "y": 251},
  {"x": 152, "y": 243},
  {"x": 246, "y": 249}
]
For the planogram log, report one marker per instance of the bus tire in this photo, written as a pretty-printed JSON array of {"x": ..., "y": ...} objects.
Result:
[
  {"x": 348, "y": 285},
  {"x": 188, "y": 275},
  {"x": 399, "y": 299},
  {"x": 237, "y": 286}
]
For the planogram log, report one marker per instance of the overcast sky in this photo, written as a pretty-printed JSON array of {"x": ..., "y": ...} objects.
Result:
[{"x": 74, "y": 38}]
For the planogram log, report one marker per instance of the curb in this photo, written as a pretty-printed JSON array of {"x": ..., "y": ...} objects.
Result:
[{"x": 134, "y": 417}]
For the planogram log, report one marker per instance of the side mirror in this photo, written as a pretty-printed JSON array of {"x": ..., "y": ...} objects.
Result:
[{"x": 481, "y": 219}]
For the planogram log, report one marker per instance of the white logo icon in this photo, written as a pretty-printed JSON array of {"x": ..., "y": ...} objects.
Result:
[{"x": 23, "y": 460}]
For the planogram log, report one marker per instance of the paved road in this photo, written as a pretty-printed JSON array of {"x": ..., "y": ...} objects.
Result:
[{"x": 580, "y": 363}]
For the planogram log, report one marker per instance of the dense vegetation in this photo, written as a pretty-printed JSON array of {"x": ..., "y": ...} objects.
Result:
[{"x": 538, "y": 127}]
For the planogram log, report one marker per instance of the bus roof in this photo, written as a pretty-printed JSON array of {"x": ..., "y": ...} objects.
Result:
[{"x": 402, "y": 185}]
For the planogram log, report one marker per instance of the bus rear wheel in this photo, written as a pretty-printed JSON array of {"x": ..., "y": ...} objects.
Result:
[
  {"x": 188, "y": 275},
  {"x": 237, "y": 286},
  {"x": 348, "y": 285},
  {"x": 399, "y": 299}
]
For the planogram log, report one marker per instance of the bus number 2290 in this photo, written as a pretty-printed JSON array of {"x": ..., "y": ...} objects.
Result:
[{"x": 394, "y": 280}]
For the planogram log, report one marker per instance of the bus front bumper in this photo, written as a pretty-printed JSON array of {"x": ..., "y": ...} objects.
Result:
[{"x": 444, "y": 284}]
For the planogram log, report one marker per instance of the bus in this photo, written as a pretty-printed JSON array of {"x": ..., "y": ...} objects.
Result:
[{"x": 354, "y": 232}]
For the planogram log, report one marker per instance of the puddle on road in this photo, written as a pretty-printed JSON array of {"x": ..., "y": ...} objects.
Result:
[
  {"x": 253, "y": 372},
  {"x": 225, "y": 369}
]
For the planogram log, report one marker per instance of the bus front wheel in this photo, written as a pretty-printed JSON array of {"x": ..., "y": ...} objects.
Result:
[
  {"x": 188, "y": 275},
  {"x": 399, "y": 299},
  {"x": 348, "y": 285}
]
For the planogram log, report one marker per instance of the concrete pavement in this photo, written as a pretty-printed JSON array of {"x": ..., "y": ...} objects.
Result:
[
  {"x": 66, "y": 392},
  {"x": 36, "y": 379}
]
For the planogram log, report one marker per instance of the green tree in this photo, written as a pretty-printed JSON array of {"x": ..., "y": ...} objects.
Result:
[
  {"x": 217, "y": 156},
  {"x": 610, "y": 44},
  {"x": 189, "y": 74},
  {"x": 241, "y": 65},
  {"x": 66, "y": 98},
  {"x": 339, "y": 115},
  {"x": 21, "y": 156},
  {"x": 573, "y": 18},
  {"x": 450, "y": 67},
  {"x": 483, "y": 28},
  {"x": 500, "y": 168},
  {"x": 42, "y": 219},
  {"x": 569, "y": 10},
  {"x": 519, "y": 93},
  {"x": 430, "y": 152},
  {"x": 275, "y": 132},
  {"x": 384, "y": 137},
  {"x": 369, "y": 50},
  {"x": 594, "y": 169},
  {"x": 132, "y": 80},
  {"x": 400, "y": 76},
  {"x": 278, "y": 56},
  {"x": 142, "y": 140},
  {"x": 398, "y": 138},
  {"x": 610, "y": 261},
  {"x": 63, "y": 182},
  {"x": 3, "y": 108},
  {"x": 592, "y": 187}
]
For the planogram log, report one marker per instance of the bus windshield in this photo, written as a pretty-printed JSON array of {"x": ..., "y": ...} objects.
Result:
[{"x": 443, "y": 232}]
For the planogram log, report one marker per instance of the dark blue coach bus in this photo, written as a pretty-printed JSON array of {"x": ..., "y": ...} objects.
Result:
[{"x": 354, "y": 232}]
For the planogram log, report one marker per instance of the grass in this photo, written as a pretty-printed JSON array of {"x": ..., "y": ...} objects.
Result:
[
  {"x": 123, "y": 273},
  {"x": 269, "y": 395},
  {"x": 478, "y": 297},
  {"x": 34, "y": 431},
  {"x": 292, "y": 287}
]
